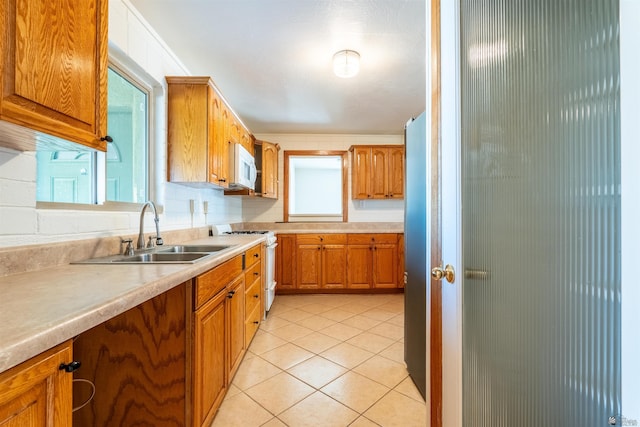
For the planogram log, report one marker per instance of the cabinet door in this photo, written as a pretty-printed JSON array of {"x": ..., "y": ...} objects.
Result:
[
  {"x": 385, "y": 265},
  {"x": 396, "y": 173},
  {"x": 191, "y": 112},
  {"x": 285, "y": 273},
  {"x": 379, "y": 173},
  {"x": 222, "y": 145},
  {"x": 216, "y": 136},
  {"x": 54, "y": 74},
  {"x": 209, "y": 370},
  {"x": 308, "y": 265},
  {"x": 269, "y": 170},
  {"x": 334, "y": 266},
  {"x": 236, "y": 319},
  {"x": 359, "y": 265},
  {"x": 361, "y": 173},
  {"x": 37, "y": 393}
]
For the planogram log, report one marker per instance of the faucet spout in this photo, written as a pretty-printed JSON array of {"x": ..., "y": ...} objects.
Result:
[{"x": 140, "y": 243}]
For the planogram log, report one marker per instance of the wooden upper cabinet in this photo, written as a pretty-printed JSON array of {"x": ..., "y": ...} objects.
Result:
[
  {"x": 361, "y": 173},
  {"x": 377, "y": 172},
  {"x": 37, "y": 393},
  {"x": 53, "y": 72},
  {"x": 246, "y": 139},
  {"x": 396, "y": 172},
  {"x": 269, "y": 163},
  {"x": 197, "y": 143}
]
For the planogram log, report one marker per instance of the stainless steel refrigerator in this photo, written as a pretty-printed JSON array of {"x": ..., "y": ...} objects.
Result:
[{"x": 415, "y": 238}]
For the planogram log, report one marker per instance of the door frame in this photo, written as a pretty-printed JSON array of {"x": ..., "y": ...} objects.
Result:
[{"x": 451, "y": 219}]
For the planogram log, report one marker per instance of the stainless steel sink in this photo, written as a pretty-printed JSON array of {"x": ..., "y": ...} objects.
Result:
[
  {"x": 162, "y": 257},
  {"x": 193, "y": 248},
  {"x": 177, "y": 254}
]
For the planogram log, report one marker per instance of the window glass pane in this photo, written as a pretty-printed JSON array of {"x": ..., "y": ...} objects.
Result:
[
  {"x": 72, "y": 176},
  {"x": 65, "y": 176},
  {"x": 315, "y": 185},
  {"x": 126, "y": 179}
]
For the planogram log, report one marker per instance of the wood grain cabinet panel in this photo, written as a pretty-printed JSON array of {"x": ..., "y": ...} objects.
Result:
[
  {"x": 285, "y": 254},
  {"x": 236, "y": 322},
  {"x": 359, "y": 261},
  {"x": 269, "y": 163},
  {"x": 377, "y": 172},
  {"x": 209, "y": 358},
  {"x": 197, "y": 132},
  {"x": 138, "y": 362},
  {"x": 37, "y": 393},
  {"x": 53, "y": 70},
  {"x": 321, "y": 261}
]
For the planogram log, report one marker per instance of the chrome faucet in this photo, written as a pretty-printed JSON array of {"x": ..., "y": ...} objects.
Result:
[{"x": 158, "y": 239}]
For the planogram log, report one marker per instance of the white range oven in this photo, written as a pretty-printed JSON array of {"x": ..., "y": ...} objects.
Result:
[{"x": 270, "y": 264}]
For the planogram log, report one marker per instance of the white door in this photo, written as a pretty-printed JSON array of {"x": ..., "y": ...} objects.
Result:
[{"x": 531, "y": 213}]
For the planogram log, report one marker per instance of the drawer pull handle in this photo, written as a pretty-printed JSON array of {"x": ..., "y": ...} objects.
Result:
[{"x": 69, "y": 367}]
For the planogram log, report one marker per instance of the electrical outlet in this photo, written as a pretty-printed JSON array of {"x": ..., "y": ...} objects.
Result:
[
  {"x": 205, "y": 207},
  {"x": 192, "y": 206}
]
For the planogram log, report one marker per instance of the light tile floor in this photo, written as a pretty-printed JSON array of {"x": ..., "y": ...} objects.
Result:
[{"x": 326, "y": 361}]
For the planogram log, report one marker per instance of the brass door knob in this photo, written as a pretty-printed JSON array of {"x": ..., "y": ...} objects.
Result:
[{"x": 448, "y": 273}]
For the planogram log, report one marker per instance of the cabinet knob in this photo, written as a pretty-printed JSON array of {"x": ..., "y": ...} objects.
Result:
[
  {"x": 230, "y": 295},
  {"x": 256, "y": 296},
  {"x": 256, "y": 255},
  {"x": 255, "y": 322},
  {"x": 255, "y": 273},
  {"x": 106, "y": 138},
  {"x": 222, "y": 180},
  {"x": 70, "y": 367}
]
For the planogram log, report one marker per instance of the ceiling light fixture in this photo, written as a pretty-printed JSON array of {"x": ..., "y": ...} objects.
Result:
[{"x": 346, "y": 63}]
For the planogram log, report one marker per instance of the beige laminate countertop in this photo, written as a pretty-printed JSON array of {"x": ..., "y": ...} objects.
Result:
[{"x": 43, "y": 308}]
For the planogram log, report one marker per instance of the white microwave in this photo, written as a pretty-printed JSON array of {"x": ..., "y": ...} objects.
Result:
[{"x": 242, "y": 168}]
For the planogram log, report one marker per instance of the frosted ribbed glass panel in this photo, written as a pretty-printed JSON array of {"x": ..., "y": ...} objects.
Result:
[{"x": 541, "y": 212}]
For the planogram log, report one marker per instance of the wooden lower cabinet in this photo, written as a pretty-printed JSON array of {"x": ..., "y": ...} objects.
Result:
[
  {"x": 326, "y": 262},
  {"x": 285, "y": 253},
  {"x": 37, "y": 393},
  {"x": 209, "y": 365},
  {"x": 138, "y": 362},
  {"x": 168, "y": 361},
  {"x": 253, "y": 295},
  {"x": 236, "y": 321},
  {"x": 321, "y": 261}
]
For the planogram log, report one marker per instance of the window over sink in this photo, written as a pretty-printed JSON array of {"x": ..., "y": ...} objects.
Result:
[{"x": 119, "y": 175}]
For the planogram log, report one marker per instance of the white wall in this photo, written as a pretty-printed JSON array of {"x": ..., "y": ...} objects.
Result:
[
  {"x": 135, "y": 44},
  {"x": 259, "y": 210}
]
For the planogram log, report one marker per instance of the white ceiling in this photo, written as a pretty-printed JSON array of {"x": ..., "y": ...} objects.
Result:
[{"x": 271, "y": 59}]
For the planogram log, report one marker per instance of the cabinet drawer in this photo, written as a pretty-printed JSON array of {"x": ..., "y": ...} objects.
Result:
[
  {"x": 252, "y": 273},
  {"x": 324, "y": 239},
  {"x": 252, "y": 296},
  {"x": 251, "y": 325},
  {"x": 365, "y": 239},
  {"x": 210, "y": 283},
  {"x": 253, "y": 255}
]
